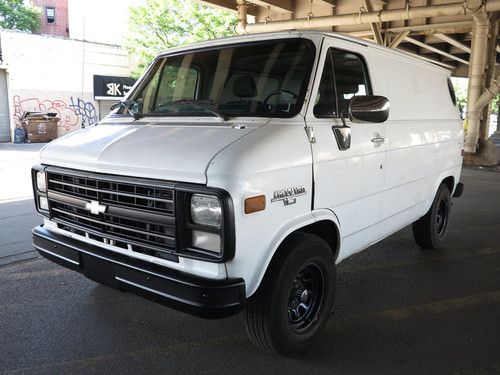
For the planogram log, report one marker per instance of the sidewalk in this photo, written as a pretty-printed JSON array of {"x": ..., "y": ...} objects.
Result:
[
  {"x": 17, "y": 219},
  {"x": 17, "y": 210},
  {"x": 495, "y": 137},
  {"x": 16, "y": 161}
]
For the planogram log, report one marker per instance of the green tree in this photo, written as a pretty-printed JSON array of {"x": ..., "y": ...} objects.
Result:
[
  {"x": 161, "y": 24},
  {"x": 460, "y": 86},
  {"x": 494, "y": 104},
  {"x": 15, "y": 15}
]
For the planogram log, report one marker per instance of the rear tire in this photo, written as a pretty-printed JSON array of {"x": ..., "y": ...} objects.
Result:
[
  {"x": 430, "y": 230},
  {"x": 293, "y": 303}
]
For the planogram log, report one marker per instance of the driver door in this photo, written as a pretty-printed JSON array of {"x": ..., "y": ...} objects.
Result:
[{"x": 348, "y": 181}]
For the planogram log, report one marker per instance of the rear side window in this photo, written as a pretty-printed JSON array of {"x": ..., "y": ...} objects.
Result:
[
  {"x": 452, "y": 92},
  {"x": 344, "y": 76}
]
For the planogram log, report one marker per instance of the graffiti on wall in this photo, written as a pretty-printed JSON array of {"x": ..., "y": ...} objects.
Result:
[
  {"x": 85, "y": 111},
  {"x": 74, "y": 115}
]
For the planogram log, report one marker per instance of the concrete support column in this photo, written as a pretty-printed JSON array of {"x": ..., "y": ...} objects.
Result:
[
  {"x": 490, "y": 79},
  {"x": 242, "y": 7},
  {"x": 489, "y": 93},
  {"x": 497, "y": 131},
  {"x": 478, "y": 60}
]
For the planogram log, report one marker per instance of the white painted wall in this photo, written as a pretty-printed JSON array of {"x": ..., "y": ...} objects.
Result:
[{"x": 55, "y": 74}]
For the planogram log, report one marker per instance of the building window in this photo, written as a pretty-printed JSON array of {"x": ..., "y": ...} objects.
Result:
[{"x": 50, "y": 12}]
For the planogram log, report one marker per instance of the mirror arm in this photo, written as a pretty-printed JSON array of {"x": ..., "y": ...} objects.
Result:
[
  {"x": 343, "y": 120},
  {"x": 342, "y": 134}
]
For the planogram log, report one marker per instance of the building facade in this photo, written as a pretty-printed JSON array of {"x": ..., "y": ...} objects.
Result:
[
  {"x": 53, "y": 17},
  {"x": 43, "y": 73}
]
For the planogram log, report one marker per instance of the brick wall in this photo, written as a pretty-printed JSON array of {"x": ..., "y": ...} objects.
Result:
[{"x": 60, "y": 26}]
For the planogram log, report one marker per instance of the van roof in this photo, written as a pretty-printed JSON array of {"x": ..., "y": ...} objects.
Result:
[{"x": 300, "y": 33}]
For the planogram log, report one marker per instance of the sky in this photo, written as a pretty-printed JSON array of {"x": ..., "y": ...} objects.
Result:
[{"x": 104, "y": 21}]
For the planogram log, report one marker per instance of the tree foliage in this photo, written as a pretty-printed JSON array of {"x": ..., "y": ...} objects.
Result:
[
  {"x": 460, "y": 86},
  {"x": 14, "y": 15},
  {"x": 161, "y": 24}
]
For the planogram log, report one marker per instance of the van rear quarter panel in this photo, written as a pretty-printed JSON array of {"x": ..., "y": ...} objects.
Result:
[{"x": 424, "y": 133}]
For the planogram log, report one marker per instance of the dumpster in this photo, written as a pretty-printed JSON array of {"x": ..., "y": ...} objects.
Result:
[{"x": 40, "y": 127}]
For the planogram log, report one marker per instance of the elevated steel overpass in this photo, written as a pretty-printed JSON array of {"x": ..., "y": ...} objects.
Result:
[{"x": 461, "y": 36}]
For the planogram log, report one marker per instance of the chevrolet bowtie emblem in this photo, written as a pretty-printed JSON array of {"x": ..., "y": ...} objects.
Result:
[{"x": 95, "y": 207}]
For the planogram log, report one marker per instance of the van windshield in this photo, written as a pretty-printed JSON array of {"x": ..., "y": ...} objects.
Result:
[{"x": 266, "y": 79}]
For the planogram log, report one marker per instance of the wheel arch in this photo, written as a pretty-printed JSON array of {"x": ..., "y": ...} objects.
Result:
[
  {"x": 327, "y": 230},
  {"x": 449, "y": 182},
  {"x": 449, "y": 179},
  {"x": 324, "y": 225}
]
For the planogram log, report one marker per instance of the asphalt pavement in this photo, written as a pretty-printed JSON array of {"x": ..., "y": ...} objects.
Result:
[{"x": 398, "y": 310}]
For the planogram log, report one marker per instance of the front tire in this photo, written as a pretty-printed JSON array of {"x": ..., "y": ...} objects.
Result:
[
  {"x": 293, "y": 303},
  {"x": 430, "y": 230}
]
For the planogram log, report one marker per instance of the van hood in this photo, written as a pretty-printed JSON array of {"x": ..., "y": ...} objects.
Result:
[{"x": 175, "y": 152}]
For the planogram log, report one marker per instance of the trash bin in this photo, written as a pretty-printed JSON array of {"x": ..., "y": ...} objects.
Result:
[{"x": 40, "y": 127}]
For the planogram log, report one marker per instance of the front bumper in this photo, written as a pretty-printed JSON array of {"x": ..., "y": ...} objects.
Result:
[{"x": 194, "y": 295}]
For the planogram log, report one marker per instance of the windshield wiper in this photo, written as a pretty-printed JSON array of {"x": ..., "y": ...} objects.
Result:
[
  {"x": 127, "y": 104},
  {"x": 203, "y": 104}
]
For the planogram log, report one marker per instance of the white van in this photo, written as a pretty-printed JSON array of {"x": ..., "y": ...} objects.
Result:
[{"x": 239, "y": 172}]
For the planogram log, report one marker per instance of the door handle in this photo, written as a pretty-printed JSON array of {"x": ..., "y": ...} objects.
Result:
[{"x": 378, "y": 140}]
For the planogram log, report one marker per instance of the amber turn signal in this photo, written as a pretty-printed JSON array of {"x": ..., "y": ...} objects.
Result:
[{"x": 255, "y": 204}]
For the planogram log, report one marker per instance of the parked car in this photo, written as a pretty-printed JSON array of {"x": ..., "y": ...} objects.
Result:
[{"x": 238, "y": 172}]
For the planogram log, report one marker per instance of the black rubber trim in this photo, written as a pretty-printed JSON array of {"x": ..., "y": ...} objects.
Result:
[
  {"x": 206, "y": 298},
  {"x": 185, "y": 223},
  {"x": 37, "y": 193},
  {"x": 459, "y": 190}
]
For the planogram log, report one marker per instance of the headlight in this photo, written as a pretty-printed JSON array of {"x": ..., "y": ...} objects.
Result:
[
  {"x": 206, "y": 210},
  {"x": 41, "y": 183}
]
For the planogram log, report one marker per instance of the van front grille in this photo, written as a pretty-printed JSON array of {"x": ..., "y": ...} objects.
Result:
[
  {"x": 135, "y": 214},
  {"x": 114, "y": 192}
]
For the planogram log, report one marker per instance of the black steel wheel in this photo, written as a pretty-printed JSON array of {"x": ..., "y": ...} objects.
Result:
[
  {"x": 293, "y": 303},
  {"x": 442, "y": 216},
  {"x": 430, "y": 230},
  {"x": 305, "y": 297}
]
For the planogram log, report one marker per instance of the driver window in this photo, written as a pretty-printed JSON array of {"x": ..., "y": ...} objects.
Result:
[
  {"x": 325, "y": 105},
  {"x": 351, "y": 79},
  {"x": 344, "y": 76}
]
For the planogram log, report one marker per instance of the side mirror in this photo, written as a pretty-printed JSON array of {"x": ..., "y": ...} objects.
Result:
[
  {"x": 115, "y": 105},
  {"x": 369, "y": 108}
]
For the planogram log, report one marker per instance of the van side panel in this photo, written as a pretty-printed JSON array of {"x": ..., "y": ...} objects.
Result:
[
  {"x": 424, "y": 134},
  {"x": 423, "y": 140},
  {"x": 348, "y": 182}
]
